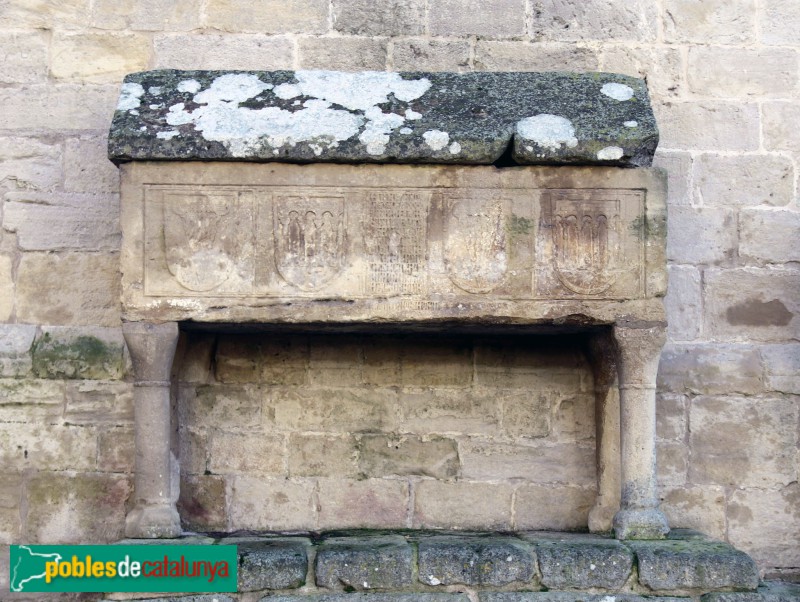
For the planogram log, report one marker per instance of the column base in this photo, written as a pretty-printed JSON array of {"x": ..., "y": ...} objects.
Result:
[
  {"x": 601, "y": 516},
  {"x": 153, "y": 522},
  {"x": 644, "y": 523}
]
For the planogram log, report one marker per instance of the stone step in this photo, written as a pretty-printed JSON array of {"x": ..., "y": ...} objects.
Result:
[{"x": 419, "y": 566}]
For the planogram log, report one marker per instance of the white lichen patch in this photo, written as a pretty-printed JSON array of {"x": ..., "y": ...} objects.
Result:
[
  {"x": 192, "y": 86},
  {"x": 548, "y": 131},
  {"x": 454, "y": 148},
  {"x": 610, "y": 153},
  {"x": 631, "y": 124},
  {"x": 436, "y": 139},
  {"x": 155, "y": 107},
  {"x": 155, "y": 90},
  {"x": 379, "y": 127},
  {"x": 168, "y": 135},
  {"x": 406, "y": 131},
  {"x": 130, "y": 95},
  {"x": 617, "y": 91},
  {"x": 413, "y": 115}
]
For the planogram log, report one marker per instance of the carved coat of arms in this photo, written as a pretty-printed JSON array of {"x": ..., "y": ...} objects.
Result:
[
  {"x": 200, "y": 240},
  {"x": 309, "y": 240},
  {"x": 476, "y": 256}
]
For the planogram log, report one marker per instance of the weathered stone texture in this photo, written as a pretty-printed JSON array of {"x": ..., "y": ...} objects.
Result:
[
  {"x": 365, "y": 504},
  {"x": 775, "y": 116},
  {"x": 47, "y": 447},
  {"x": 782, "y": 368},
  {"x": 15, "y": 345},
  {"x": 696, "y": 507},
  {"x": 271, "y": 504},
  {"x": 594, "y": 20},
  {"x": 678, "y": 166},
  {"x": 443, "y": 411},
  {"x": 744, "y": 442},
  {"x": 23, "y": 56},
  {"x": 546, "y": 507},
  {"x": 582, "y": 562},
  {"x": 684, "y": 303},
  {"x": 94, "y": 402},
  {"x": 202, "y": 503},
  {"x": 87, "y": 168},
  {"x": 323, "y": 456},
  {"x": 6, "y": 293},
  {"x": 430, "y": 54},
  {"x": 252, "y": 453},
  {"x": 115, "y": 451},
  {"x": 381, "y": 455},
  {"x": 97, "y": 57},
  {"x": 45, "y": 14},
  {"x": 524, "y": 56},
  {"x": 29, "y": 164},
  {"x": 704, "y": 235},
  {"x": 744, "y": 180},
  {"x": 752, "y": 304},
  {"x": 736, "y": 72},
  {"x": 710, "y": 21},
  {"x": 10, "y": 500},
  {"x": 345, "y": 54},
  {"x": 487, "y": 19},
  {"x": 663, "y": 67},
  {"x": 70, "y": 352},
  {"x": 779, "y": 22},
  {"x": 710, "y": 369},
  {"x": 31, "y": 401},
  {"x": 271, "y": 16},
  {"x": 230, "y": 51},
  {"x": 671, "y": 420},
  {"x": 332, "y": 410},
  {"x": 372, "y": 563},
  {"x": 493, "y": 561},
  {"x": 395, "y": 17},
  {"x": 145, "y": 15},
  {"x": 462, "y": 505},
  {"x": 769, "y": 236},
  {"x": 273, "y": 563},
  {"x": 706, "y": 125}
]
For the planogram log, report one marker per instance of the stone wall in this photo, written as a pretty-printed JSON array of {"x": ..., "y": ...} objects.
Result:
[{"x": 723, "y": 75}]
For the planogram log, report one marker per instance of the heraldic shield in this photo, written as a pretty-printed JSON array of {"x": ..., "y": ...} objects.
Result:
[
  {"x": 475, "y": 249},
  {"x": 200, "y": 238},
  {"x": 309, "y": 239}
]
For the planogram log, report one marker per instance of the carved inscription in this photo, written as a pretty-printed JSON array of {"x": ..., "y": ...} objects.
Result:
[
  {"x": 475, "y": 246},
  {"x": 395, "y": 238},
  {"x": 309, "y": 239}
]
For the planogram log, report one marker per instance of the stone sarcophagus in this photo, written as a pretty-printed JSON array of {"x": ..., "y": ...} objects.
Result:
[{"x": 216, "y": 233}]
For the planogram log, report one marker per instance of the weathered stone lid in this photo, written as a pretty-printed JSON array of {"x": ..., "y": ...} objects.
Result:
[{"x": 383, "y": 117}]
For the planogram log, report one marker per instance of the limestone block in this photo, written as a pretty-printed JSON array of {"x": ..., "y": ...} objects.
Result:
[
  {"x": 671, "y": 565},
  {"x": 684, "y": 303},
  {"x": 695, "y": 507},
  {"x": 87, "y": 168},
  {"x": 556, "y": 508},
  {"x": 28, "y": 164},
  {"x": 15, "y": 345},
  {"x": 57, "y": 107},
  {"x": 97, "y": 57},
  {"x": 752, "y": 304},
  {"x": 270, "y": 16},
  {"x": 743, "y": 180},
  {"x": 271, "y": 563},
  {"x": 335, "y": 361},
  {"x": 434, "y": 365},
  {"x": 567, "y": 463},
  {"x": 662, "y": 66},
  {"x": 710, "y": 21},
  {"x": 31, "y": 401},
  {"x": 57, "y": 221},
  {"x": 147, "y": 15},
  {"x": 406, "y": 455},
  {"x": 271, "y": 504},
  {"x": 381, "y": 362},
  {"x": 194, "y": 356},
  {"x": 95, "y": 402},
  {"x": 737, "y": 72},
  {"x": 333, "y": 410},
  {"x": 543, "y": 364},
  {"x": 193, "y": 448},
  {"x": 462, "y": 505},
  {"x": 673, "y": 463},
  {"x": 7, "y": 309},
  {"x": 228, "y": 51},
  {"x": 710, "y": 126},
  {"x": 251, "y": 453},
  {"x": 344, "y": 54},
  {"x": 449, "y": 410},
  {"x": 273, "y": 361},
  {"x": 10, "y": 498},
  {"x": 710, "y": 369},
  {"x": 777, "y": 136},
  {"x": 492, "y": 19},
  {"x": 765, "y": 523},
  {"x": 582, "y": 561},
  {"x": 45, "y": 14},
  {"x": 202, "y": 503},
  {"x": 323, "y": 456},
  {"x": 743, "y": 441},
  {"x": 47, "y": 447},
  {"x": 362, "y": 504},
  {"x": 24, "y": 57},
  {"x": 542, "y": 56},
  {"x": 221, "y": 407},
  {"x": 64, "y": 508},
  {"x": 430, "y": 54},
  {"x": 782, "y": 368},
  {"x": 594, "y": 20},
  {"x": 779, "y": 22},
  {"x": 529, "y": 413},
  {"x": 671, "y": 417},
  {"x": 573, "y": 419},
  {"x": 115, "y": 450},
  {"x": 701, "y": 235},
  {"x": 769, "y": 236},
  {"x": 678, "y": 166},
  {"x": 371, "y": 563},
  {"x": 477, "y": 561},
  {"x": 365, "y": 18},
  {"x": 69, "y": 289},
  {"x": 87, "y": 353}
]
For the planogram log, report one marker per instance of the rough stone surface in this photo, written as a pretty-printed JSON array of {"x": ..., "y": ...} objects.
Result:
[
  {"x": 780, "y": 20},
  {"x": 327, "y": 116},
  {"x": 493, "y": 561},
  {"x": 679, "y": 565},
  {"x": 486, "y": 19},
  {"x": 27, "y": 62},
  {"x": 97, "y": 57},
  {"x": 732, "y": 72},
  {"x": 522, "y": 56},
  {"x": 710, "y": 369},
  {"x": 363, "y": 565},
  {"x": 462, "y": 505},
  {"x": 213, "y": 51},
  {"x": 408, "y": 455},
  {"x": 776, "y": 135},
  {"x": 362, "y": 17},
  {"x": 271, "y": 563},
  {"x": 582, "y": 562},
  {"x": 743, "y": 181},
  {"x": 692, "y": 125},
  {"x": 594, "y": 20},
  {"x": 768, "y": 236},
  {"x": 369, "y": 503},
  {"x": 348, "y": 54},
  {"x": 710, "y": 21},
  {"x": 270, "y": 504},
  {"x": 705, "y": 235},
  {"x": 546, "y": 507},
  {"x": 15, "y": 345},
  {"x": 767, "y": 592},
  {"x": 202, "y": 503},
  {"x": 431, "y": 55},
  {"x": 69, "y": 352},
  {"x": 684, "y": 303},
  {"x": 782, "y": 368}
]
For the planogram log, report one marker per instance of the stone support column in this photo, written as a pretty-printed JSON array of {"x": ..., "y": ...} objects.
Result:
[
  {"x": 638, "y": 351},
  {"x": 152, "y": 349}
]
